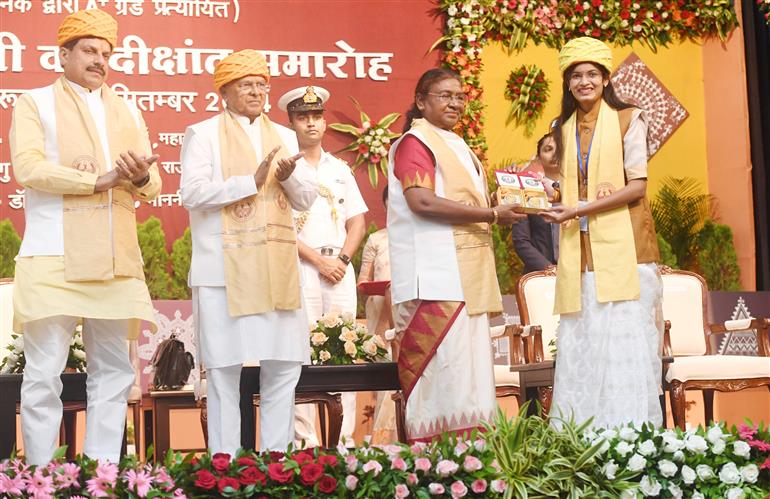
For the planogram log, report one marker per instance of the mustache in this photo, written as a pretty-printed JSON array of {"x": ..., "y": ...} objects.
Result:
[{"x": 97, "y": 68}]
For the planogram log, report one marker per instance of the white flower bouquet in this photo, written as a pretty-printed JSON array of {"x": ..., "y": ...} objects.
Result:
[
  {"x": 15, "y": 361},
  {"x": 337, "y": 339}
]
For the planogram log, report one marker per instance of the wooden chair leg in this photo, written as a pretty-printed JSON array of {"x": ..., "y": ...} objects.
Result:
[
  {"x": 678, "y": 403},
  {"x": 205, "y": 421},
  {"x": 708, "y": 405},
  {"x": 398, "y": 399},
  {"x": 321, "y": 408},
  {"x": 335, "y": 420},
  {"x": 70, "y": 425},
  {"x": 136, "y": 409}
]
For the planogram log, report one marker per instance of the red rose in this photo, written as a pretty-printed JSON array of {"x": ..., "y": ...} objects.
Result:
[
  {"x": 624, "y": 14},
  {"x": 252, "y": 475},
  {"x": 362, "y": 148},
  {"x": 579, "y": 7},
  {"x": 596, "y": 32},
  {"x": 310, "y": 473},
  {"x": 328, "y": 460},
  {"x": 220, "y": 461},
  {"x": 228, "y": 481},
  {"x": 205, "y": 480},
  {"x": 596, "y": 3},
  {"x": 277, "y": 473},
  {"x": 275, "y": 455},
  {"x": 302, "y": 458},
  {"x": 246, "y": 461},
  {"x": 327, "y": 484}
]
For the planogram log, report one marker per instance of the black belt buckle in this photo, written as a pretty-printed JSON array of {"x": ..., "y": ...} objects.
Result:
[{"x": 327, "y": 251}]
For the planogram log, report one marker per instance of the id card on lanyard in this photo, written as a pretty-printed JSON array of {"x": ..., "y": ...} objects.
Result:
[{"x": 583, "y": 165}]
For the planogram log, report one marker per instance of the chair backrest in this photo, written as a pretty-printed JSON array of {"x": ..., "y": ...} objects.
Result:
[
  {"x": 6, "y": 314},
  {"x": 535, "y": 295},
  {"x": 684, "y": 304}
]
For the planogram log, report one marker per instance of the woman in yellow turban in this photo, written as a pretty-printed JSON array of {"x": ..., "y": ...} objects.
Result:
[{"x": 608, "y": 288}]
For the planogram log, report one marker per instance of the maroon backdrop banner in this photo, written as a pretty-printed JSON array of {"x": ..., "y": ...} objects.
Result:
[{"x": 373, "y": 51}]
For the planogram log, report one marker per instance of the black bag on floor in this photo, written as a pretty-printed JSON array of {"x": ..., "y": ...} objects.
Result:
[{"x": 172, "y": 364}]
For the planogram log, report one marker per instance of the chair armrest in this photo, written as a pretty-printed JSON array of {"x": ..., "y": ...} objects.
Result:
[
  {"x": 667, "y": 351},
  {"x": 497, "y": 331},
  {"x": 759, "y": 327},
  {"x": 533, "y": 339}
]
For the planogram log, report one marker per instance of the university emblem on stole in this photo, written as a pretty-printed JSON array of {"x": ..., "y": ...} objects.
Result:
[
  {"x": 85, "y": 163},
  {"x": 604, "y": 189},
  {"x": 281, "y": 201},
  {"x": 242, "y": 210}
]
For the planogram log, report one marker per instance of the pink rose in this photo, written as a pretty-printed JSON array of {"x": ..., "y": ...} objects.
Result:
[
  {"x": 351, "y": 482},
  {"x": 436, "y": 489},
  {"x": 498, "y": 486},
  {"x": 412, "y": 479},
  {"x": 398, "y": 464},
  {"x": 446, "y": 467},
  {"x": 372, "y": 466},
  {"x": 479, "y": 486},
  {"x": 422, "y": 464},
  {"x": 460, "y": 448},
  {"x": 480, "y": 444},
  {"x": 458, "y": 489},
  {"x": 352, "y": 463},
  {"x": 471, "y": 464},
  {"x": 401, "y": 491},
  {"x": 418, "y": 447}
]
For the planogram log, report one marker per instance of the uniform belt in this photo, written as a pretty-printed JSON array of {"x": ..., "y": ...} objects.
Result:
[{"x": 328, "y": 251}]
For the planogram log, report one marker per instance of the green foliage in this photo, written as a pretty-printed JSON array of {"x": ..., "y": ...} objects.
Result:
[
  {"x": 716, "y": 257},
  {"x": 538, "y": 460},
  {"x": 152, "y": 241},
  {"x": 667, "y": 256},
  {"x": 507, "y": 262},
  {"x": 8, "y": 249},
  {"x": 680, "y": 209},
  {"x": 181, "y": 256}
]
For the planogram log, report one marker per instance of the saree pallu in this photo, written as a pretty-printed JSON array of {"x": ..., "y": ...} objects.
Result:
[{"x": 445, "y": 367}]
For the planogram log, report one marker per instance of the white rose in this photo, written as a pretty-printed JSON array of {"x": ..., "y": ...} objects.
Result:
[
  {"x": 647, "y": 448},
  {"x": 714, "y": 433},
  {"x": 704, "y": 472},
  {"x": 697, "y": 495},
  {"x": 348, "y": 335},
  {"x": 452, "y": 10},
  {"x": 324, "y": 355},
  {"x": 348, "y": 317},
  {"x": 318, "y": 339},
  {"x": 750, "y": 473},
  {"x": 18, "y": 344},
  {"x": 624, "y": 448},
  {"x": 735, "y": 493},
  {"x": 667, "y": 468},
  {"x": 609, "y": 434},
  {"x": 696, "y": 444},
  {"x": 688, "y": 475},
  {"x": 367, "y": 139},
  {"x": 628, "y": 494},
  {"x": 636, "y": 463},
  {"x": 379, "y": 131},
  {"x": 718, "y": 447},
  {"x": 649, "y": 486},
  {"x": 605, "y": 445},
  {"x": 675, "y": 491},
  {"x": 729, "y": 474},
  {"x": 350, "y": 348},
  {"x": 610, "y": 469},
  {"x": 628, "y": 434},
  {"x": 370, "y": 348},
  {"x": 671, "y": 443},
  {"x": 376, "y": 143},
  {"x": 678, "y": 456},
  {"x": 741, "y": 449}
]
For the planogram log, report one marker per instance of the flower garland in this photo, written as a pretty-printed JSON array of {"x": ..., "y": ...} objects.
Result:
[
  {"x": 764, "y": 6},
  {"x": 372, "y": 142},
  {"x": 337, "y": 339},
  {"x": 470, "y": 24},
  {"x": 527, "y": 89}
]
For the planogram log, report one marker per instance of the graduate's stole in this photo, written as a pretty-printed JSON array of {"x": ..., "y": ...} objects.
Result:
[
  {"x": 258, "y": 236},
  {"x": 97, "y": 246},
  {"x": 473, "y": 241},
  {"x": 611, "y": 232}
]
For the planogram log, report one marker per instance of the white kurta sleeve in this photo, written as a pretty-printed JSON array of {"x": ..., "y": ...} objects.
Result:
[
  {"x": 199, "y": 188},
  {"x": 301, "y": 187},
  {"x": 635, "y": 147}
]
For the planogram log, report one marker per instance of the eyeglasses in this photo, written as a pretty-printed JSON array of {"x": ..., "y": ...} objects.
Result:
[
  {"x": 246, "y": 88},
  {"x": 446, "y": 98}
]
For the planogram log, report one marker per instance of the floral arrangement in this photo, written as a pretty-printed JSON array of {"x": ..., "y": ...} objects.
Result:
[
  {"x": 337, "y": 339},
  {"x": 527, "y": 89},
  {"x": 15, "y": 361},
  {"x": 85, "y": 477},
  {"x": 470, "y": 24},
  {"x": 764, "y": 6},
  {"x": 372, "y": 142}
]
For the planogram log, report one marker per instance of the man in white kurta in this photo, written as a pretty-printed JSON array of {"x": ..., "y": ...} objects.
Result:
[
  {"x": 277, "y": 337},
  {"x": 329, "y": 233},
  {"x": 81, "y": 153}
]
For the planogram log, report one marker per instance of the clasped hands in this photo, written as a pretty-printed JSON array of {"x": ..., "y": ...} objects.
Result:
[
  {"x": 131, "y": 167},
  {"x": 282, "y": 172}
]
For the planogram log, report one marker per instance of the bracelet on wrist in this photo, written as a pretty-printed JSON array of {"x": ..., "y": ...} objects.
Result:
[
  {"x": 142, "y": 182},
  {"x": 495, "y": 216}
]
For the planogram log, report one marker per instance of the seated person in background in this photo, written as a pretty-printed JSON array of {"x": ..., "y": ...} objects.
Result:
[{"x": 535, "y": 240}]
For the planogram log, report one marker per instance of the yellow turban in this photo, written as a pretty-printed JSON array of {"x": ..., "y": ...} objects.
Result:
[
  {"x": 239, "y": 64},
  {"x": 91, "y": 23},
  {"x": 585, "y": 49}
]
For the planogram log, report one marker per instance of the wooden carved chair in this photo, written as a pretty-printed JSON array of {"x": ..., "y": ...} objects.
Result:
[{"x": 695, "y": 366}]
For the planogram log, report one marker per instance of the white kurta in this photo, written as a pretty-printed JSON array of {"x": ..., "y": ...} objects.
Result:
[{"x": 226, "y": 340}]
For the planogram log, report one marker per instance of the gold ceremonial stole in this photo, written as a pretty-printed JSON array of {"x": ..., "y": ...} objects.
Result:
[
  {"x": 91, "y": 251},
  {"x": 611, "y": 233},
  {"x": 258, "y": 236},
  {"x": 473, "y": 241}
]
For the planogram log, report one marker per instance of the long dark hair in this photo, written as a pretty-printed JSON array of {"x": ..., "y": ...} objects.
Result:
[
  {"x": 426, "y": 81},
  {"x": 569, "y": 104}
]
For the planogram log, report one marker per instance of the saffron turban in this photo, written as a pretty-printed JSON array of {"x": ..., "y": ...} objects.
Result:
[
  {"x": 585, "y": 49},
  {"x": 91, "y": 23},
  {"x": 239, "y": 64}
]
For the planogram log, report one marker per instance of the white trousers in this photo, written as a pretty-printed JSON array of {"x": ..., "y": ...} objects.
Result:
[
  {"x": 277, "y": 381},
  {"x": 321, "y": 297},
  {"x": 110, "y": 377}
]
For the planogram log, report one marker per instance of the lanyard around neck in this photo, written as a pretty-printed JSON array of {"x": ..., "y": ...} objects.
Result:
[{"x": 583, "y": 167}]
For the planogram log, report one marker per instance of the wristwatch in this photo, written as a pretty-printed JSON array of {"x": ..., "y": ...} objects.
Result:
[{"x": 345, "y": 258}]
